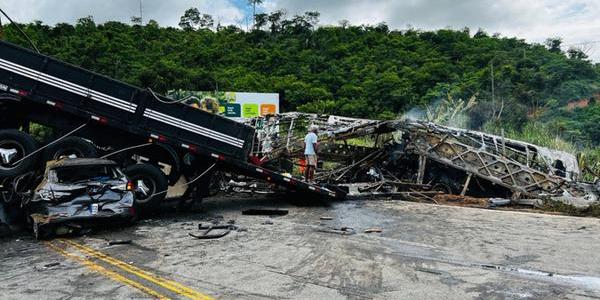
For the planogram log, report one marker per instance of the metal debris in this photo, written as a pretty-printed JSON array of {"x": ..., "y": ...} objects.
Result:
[
  {"x": 265, "y": 212},
  {"x": 50, "y": 265},
  {"x": 206, "y": 231},
  {"x": 119, "y": 242},
  {"x": 341, "y": 231},
  {"x": 498, "y": 202},
  {"x": 416, "y": 159}
]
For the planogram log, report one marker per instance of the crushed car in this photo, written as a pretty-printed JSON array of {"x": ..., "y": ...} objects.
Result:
[{"x": 76, "y": 195}]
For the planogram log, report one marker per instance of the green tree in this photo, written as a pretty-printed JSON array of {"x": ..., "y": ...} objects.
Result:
[{"x": 370, "y": 71}]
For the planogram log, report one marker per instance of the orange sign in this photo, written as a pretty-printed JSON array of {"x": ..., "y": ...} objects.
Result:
[{"x": 268, "y": 109}]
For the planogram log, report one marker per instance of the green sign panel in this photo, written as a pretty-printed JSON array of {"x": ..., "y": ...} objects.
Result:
[{"x": 250, "y": 110}]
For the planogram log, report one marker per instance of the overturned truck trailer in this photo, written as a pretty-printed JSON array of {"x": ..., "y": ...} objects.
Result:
[{"x": 407, "y": 155}]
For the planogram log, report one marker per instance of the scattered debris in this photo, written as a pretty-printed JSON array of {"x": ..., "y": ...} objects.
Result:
[
  {"x": 427, "y": 270},
  {"x": 119, "y": 242},
  {"x": 499, "y": 202},
  {"x": 417, "y": 159},
  {"x": 342, "y": 231},
  {"x": 374, "y": 229},
  {"x": 459, "y": 200},
  {"x": 50, "y": 265},
  {"x": 216, "y": 219},
  {"x": 265, "y": 212},
  {"x": 267, "y": 222},
  {"x": 529, "y": 202},
  {"x": 206, "y": 230}
]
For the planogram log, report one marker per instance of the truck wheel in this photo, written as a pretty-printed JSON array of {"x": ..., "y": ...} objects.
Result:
[
  {"x": 446, "y": 185},
  {"x": 147, "y": 180},
  {"x": 71, "y": 146},
  {"x": 15, "y": 145}
]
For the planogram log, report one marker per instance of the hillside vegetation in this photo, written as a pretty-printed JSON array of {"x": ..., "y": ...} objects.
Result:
[{"x": 361, "y": 71}]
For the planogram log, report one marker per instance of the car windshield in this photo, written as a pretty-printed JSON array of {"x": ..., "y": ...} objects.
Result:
[{"x": 84, "y": 173}]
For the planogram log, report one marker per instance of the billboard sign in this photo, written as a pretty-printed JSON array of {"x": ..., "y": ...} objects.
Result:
[{"x": 230, "y": 104}]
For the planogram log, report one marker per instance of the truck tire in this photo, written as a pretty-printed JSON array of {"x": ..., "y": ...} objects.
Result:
[
  {"x": 446, "y": 185},
  {"x": 71, "y": 145},
  {"x": 147, "y": 180},
  {"x": 16, "y": 145}
]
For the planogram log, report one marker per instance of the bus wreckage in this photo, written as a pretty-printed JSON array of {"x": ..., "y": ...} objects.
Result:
[{"x": 409, "y": 158}]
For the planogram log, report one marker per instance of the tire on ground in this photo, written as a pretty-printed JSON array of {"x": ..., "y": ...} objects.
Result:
[
  {"x": 23, "y": 144},
  {"x": 71, "y": 145},
  {"x": 154, "y": 181}
]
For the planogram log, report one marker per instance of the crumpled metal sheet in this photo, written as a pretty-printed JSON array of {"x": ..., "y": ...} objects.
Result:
[
  {"x": 111, "y": 204},
  {"x": 525, "y": 169}
]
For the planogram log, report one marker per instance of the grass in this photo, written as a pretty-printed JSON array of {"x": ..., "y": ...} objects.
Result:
[{"x": 534, "y": 133}]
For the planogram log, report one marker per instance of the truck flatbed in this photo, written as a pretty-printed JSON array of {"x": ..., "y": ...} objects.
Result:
[{"x": 50, "y": 85}]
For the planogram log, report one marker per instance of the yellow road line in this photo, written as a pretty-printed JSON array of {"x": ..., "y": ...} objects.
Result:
[
  {"x": 110, "y": 274},
  {"x": 173, "y": 286}
]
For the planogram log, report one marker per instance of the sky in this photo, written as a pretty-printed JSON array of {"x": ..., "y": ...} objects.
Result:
[{"x": 577, "y": 22}]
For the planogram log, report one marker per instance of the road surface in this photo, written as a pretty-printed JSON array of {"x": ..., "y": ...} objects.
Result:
[{"x": 423, "y": 252}]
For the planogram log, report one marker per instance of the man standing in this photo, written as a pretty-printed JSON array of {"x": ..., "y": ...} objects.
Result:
[{"x": 310, "y": 153}]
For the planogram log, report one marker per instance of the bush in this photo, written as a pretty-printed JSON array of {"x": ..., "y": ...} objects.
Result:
[
  {"x": 40, "y": 132},
  {"x": 532, "y": 132}
]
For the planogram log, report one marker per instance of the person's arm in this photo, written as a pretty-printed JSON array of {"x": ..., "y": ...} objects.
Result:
[{"x": 316, "y": 144}]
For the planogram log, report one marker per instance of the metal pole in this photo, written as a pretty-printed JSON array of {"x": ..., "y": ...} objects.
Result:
[
  {"x": 421, "y": 170},
  {"x": 466, "y": 186},
  {"x": 493, "y": 97},
  {"x": 254, "y": 14},
  {"x": 141, "y": 14},
  {"x": 290, "y": 130}
]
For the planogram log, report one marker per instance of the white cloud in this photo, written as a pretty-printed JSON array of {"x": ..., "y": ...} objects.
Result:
[
  {"x": 167, "y": 13},
  {"x": 575, "y": 21}
]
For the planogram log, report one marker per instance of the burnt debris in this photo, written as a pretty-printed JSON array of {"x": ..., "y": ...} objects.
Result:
[{"x": 409, "y": 158}]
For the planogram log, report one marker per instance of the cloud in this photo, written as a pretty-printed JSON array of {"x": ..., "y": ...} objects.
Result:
[
  {"x": 575, "y": 21},
  {"x": 166, "y": 13}
]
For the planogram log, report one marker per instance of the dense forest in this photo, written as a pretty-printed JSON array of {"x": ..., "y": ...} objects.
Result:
[{"x": 371, "y": 71}]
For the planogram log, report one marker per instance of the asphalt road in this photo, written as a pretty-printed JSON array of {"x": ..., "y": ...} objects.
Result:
[{"x": 423, "y": 252}]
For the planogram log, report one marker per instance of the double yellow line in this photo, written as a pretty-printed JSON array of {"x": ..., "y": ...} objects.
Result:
[{"x": 137, "y": 273}]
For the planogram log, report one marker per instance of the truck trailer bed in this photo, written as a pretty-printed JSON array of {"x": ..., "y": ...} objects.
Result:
[{"x": 47, "y": 82}]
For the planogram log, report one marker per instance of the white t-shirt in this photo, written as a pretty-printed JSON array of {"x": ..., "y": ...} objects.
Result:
[{"x": 309, "y": 140}]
